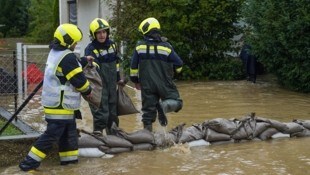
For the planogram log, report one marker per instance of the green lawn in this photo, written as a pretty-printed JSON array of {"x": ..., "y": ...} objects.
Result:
[{"x": 10, "y": 130}]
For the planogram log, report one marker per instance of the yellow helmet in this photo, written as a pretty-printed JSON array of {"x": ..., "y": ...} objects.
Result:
[
  {"x": 148, "y": 25},
  {"x": 68, "y": 34},
  {"x": 98, "y": 24}
]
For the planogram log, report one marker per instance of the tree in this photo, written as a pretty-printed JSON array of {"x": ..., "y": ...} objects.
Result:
[
  {"x": 42, "y": 20},
  {"x": 14, "y": 17},
  {"x": 200, "y": 31},
  {"x": 279, "y": 32}
]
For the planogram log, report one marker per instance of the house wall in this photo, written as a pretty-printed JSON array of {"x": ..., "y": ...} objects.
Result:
[{"x": 87, "y": 10}]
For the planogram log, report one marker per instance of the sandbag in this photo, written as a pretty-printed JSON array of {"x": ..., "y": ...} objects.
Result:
[
  {"x": 213, "y": 136},
  {"x": 124, "y": 104},
  {"x": 140, "y": 136},
  {"x": 143, "y": 147},
  {"x": 117, "y": 150},
  {"x": 221, "y": 125},
  {"x": 195, "y": 132},
  {"x": 241, "y": 134},
  {"x": 293, "y": 127},
  {"x": 260, "y": 127},
  {"x": 103, "y": 148},
  {"x": 200, "y": 142},
  {"x": 95, "y": 81},
  {"x": 304, "y": 123},
  {"x": 278, "y": 125},
  {"x": 268, "y": 133},
  {"x": 88, "y": 141},
  {"x": 304, "y": 133},
  {"x": 114, "y": 141},
  {"x": 176, "y": 133},
  {"x": 90, "y": 152},
  {"x": 280, "y": 135},
  {"x": 245, "y": 129}
]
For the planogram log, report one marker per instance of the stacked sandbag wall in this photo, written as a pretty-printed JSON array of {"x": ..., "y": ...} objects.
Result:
[{"x": 210, "y": 132}]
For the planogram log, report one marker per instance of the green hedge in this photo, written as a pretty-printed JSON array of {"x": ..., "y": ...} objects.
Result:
[{"x": 279, "y": 32}]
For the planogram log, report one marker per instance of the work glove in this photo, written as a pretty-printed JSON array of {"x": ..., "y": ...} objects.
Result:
[
  {"x": 78, "y": 114},
  {"x": 91, "y": 61},
  {"x": 121, "y": 83},
  {"x": 87, "y": 97},
  {"x": 138, "y": 86}
]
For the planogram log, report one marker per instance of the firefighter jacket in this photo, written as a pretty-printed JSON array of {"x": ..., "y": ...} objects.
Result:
[
  {"x": 154, "y": 63},
  {"x": 105, "y": 54},
  {"x": 64, "y": 81}
]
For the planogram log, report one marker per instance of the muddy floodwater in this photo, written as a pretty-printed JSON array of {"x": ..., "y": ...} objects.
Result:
[{"x": 205, "y": 101}]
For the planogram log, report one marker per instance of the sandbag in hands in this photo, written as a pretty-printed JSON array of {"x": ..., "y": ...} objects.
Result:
[
  {"x": 124, "y": 104},
  {"x": 91, "y": 73}
]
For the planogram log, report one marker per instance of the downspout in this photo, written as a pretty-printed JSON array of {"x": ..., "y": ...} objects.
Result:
[{"x": 100, "y": 9}]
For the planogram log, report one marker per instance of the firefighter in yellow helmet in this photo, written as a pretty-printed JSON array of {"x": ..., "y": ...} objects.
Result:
[
  {"x": 63, "y": 84},
  {"x": 152, "y": 66},
  {"x": 105, "y": 54}
]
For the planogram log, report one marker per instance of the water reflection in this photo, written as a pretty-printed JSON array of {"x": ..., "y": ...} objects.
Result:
[{"x": 204, "y": 101}]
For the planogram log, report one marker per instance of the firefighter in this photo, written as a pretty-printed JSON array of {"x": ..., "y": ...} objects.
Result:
[
  {"x": 64, "y": 82},
  {"x": 105, "y": 54},
  {"x": 152, "y": 66}
]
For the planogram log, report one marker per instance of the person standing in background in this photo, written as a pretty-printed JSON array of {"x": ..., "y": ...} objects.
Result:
[{"x": 249, "y": 62}]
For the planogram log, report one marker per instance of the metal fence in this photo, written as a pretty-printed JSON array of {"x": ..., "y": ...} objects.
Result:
[
  {"x": 8, "y": 79},
  {"x": 21, "y": 71}
]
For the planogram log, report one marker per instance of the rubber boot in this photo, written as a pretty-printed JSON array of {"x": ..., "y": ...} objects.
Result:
[
  {"x": 29, "y": 164},
  {"x": 148, "y": 127},
  {"x": 169, "y": 105},
  {"x": 162, "y": 118}
]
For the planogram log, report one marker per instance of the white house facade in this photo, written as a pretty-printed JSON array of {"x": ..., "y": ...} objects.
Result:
[{"x": 81, "y": 13}]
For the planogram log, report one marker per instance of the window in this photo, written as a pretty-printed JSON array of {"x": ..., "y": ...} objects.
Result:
[{"x": 72, "y": 12}]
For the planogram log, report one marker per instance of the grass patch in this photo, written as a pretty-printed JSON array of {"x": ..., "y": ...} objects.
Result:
[{"x": 10, "y": 130}]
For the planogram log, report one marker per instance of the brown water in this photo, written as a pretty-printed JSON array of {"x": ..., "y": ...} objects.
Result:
[{"x": 204, "y": 101}]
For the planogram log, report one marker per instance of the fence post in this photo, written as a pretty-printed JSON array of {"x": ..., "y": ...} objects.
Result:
[
  {"x": 25, "y": 63},
  {"x": 19, "y": 55},
  {"x": 15, "y": 78}
]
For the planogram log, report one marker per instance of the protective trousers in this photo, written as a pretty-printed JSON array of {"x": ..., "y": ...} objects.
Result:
[
  {"x": 151, "y": 104},
  {"x": 62, "y": 132},
  {"x": 106, "y": 114}
]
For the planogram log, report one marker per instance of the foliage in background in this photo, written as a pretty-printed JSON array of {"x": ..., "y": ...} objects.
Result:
[
  {"x": 42, "y": 25},
  {"x": 280, "y": 35},
  {"x": 13, "y": 18},
  {"x": 200, "y": 31},
  {"x": 55, "y": 14}
]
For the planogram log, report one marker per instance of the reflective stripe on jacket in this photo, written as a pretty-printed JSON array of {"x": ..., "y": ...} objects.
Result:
[
  {"x": 52, "y": 88},
  {"x": 158, "y": 59}
]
